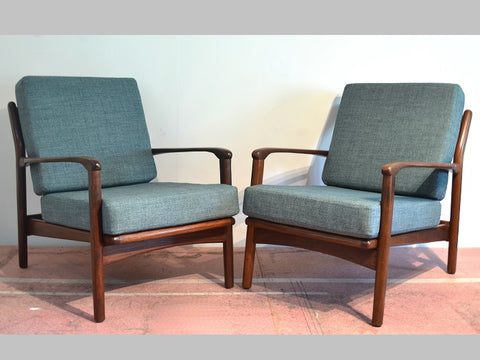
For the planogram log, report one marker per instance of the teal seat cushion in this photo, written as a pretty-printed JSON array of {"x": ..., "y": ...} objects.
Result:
[
  {"x": 140, "y": 207},
  {"x": 381, "y": 123},
  {"x": 337, "y": 210},
  {"x": 84, "y": 116}
]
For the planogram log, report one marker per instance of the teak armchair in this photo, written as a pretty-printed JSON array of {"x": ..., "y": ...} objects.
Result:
[
  {"x": 386, "y": 172},
  {"x": 92, "y": 164}
]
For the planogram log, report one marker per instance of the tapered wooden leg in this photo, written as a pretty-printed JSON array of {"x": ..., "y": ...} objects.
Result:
[
  {"x": 22, "y": 245},
  {"x": 249, "y": 258},
  {"x": 228, "y": 258},
  {"x": 454, "y": 223},
  {"x": 22, "y": 218},
  {"x": 21, "y": 184},
  {"x": 98, "y": 285},
  {"x": 381, "y": 276},
  {"x": 452, "y": 246},
  {"x": 96, "y": 244},
  {"x": 452, "y": 254},
  {"x": 383, "y": 250}
]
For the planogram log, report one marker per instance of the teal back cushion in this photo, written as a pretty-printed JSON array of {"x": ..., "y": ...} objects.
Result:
[
  {"x": 84, "y": 116},
  {"x": 381, "y": 123}
]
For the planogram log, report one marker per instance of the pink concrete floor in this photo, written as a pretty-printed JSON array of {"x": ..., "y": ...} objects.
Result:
[{"x": 179, "y": 291}]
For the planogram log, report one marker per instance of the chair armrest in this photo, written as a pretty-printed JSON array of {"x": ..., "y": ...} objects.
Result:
[
  {"x": 389, "y": 172},
  {"x": 224, "y": 156},
  {"x": 93, "y": 167},
  {"x": 259, "y": 156},
  {"x": 262, "y": 153},
  {"x": 220, "y": 153},
  {"x": 89, "y": 163},
  {"x": 393, "y": 168}
]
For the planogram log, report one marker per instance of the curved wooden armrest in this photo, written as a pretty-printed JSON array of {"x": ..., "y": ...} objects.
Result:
[
  {"x": 389, "y": 172},
  {"x": 93, "y": 167},
  {"x": 220, "y": 153},
  {"x": 259, "y": 156},
  {"x": 262, "y": 153},
  {"x": 89, "y": 163},
  {"x": 224, "y": 156},
  {"x": 392, "y": 169}
]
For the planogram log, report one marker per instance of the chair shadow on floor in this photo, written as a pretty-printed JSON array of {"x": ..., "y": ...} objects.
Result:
[
  {"x": 322, "y": 282},
  {"x": 314, "y": 280},
  {"x": 65, "y": 280}
]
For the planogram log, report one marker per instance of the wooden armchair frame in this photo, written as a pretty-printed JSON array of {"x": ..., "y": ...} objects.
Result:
[
  {"x": 106, "y": 249},
  {"x": 372, "y": 253}
]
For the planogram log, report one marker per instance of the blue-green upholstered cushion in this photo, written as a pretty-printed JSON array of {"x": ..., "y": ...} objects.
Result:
[
  {"x": 337, "y": 210},
  {"x": 139, "y": 207},
  {"x": 380, "y": 123},
  {"x": 84, "y": 116}
]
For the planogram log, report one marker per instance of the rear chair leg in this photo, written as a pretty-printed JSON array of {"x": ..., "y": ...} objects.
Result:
[
  {"x": 22, "y": 217},
  {"x": 22, "y": 247},
  {"x": 452, "y": 251},
  {"x": 228, "y": 258}
]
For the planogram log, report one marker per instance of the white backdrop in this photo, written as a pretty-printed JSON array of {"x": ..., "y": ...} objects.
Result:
[{"x": 241, "y": 92}]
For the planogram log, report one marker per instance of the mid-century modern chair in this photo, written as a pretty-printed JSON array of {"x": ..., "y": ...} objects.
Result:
[
  {"x": 91, "y": 162},
  {"x": 385, "y": 174}
]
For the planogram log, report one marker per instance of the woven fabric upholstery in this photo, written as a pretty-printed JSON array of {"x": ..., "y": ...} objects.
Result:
[
  {"x": 337, "y": 210},
  {"x": 139, "y": 207},
  {"x": 84, "y": 116},
  {"x": 381, "y": 123}
]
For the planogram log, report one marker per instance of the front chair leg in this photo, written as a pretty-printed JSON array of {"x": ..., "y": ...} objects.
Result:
[
  {"x": 381, "y": 276},
  {"x": 249, "y": 258},
  {"x": 98, "y": 284}
]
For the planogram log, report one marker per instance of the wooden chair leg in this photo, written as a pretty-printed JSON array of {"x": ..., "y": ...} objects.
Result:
[
  {"x": 22, "y": 218},
  {"x": 228, "y": 258},
  {"x": 455, "y": 216},
  {"x": 452, "y": 249},
  {"x": 249, "y": 258},
  {"x": 98, "y": 284},
  {"x": 22, "y": 247},
  {"x": 452, "y": 257},
  {"x": 98, "y": 296},
  {"x": 381, "y": 276}
]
